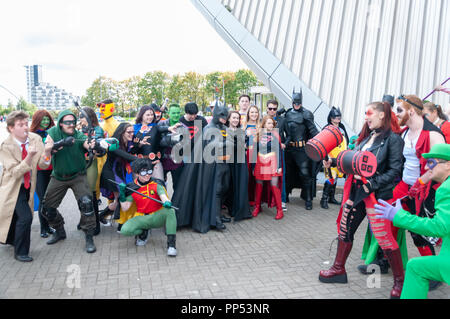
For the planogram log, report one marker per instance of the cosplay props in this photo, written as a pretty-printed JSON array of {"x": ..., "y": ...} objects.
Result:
[
  {"x": 67, "y": 142},
  {"x": 139, "y": 193},
  {"x": 435, "y": 90},
  {"x": 318, "y": 147},
  {"x": 362, "y": 163}
]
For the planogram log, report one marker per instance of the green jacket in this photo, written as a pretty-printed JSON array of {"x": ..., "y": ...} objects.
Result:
[
  {"x": 69, "y": 162},
  {"x": 438, "y": 226}
]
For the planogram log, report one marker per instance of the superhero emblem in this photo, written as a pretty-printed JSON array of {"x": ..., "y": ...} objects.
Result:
[{"x": 193, "y": 130}]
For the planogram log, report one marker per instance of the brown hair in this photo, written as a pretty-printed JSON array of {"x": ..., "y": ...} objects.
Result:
[
  {"x": 261, "y": 126},
  {"x": 15, "y": 116},
  {"x": 436, "y": 108},
  {"x": 92, "y": 116},
  {"x": 229, "y": 116},
  {"x": 414, "y": 99},
  {"x": 37, "y": 118}
]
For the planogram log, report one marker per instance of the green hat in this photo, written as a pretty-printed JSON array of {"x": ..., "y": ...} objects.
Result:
[{"x": 441, "y": 151}]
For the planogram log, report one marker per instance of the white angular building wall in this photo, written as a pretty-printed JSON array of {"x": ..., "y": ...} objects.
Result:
[{"x": 343, "y": 53}]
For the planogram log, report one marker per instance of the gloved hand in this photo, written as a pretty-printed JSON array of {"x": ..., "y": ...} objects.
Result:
[
  {"x": 387, "y": 211},
  {"x": 122, "y": 196},
  {"x": 352, "y": 142},
  {"x": 167, "y": 204},
  {"x": 417, "y": 190},
  {"x": 67, "y": 142}
]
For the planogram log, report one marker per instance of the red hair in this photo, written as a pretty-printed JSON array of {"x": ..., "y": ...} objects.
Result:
[
  {"x": 37, "y": 118},
  {"x": 389, "y": 121}
]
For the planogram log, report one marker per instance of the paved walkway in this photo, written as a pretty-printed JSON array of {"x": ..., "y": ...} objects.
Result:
[{"x": 256, "y": 258}]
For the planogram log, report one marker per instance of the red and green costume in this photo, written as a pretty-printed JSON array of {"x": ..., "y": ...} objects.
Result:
[{"x": 150, "y": 214}]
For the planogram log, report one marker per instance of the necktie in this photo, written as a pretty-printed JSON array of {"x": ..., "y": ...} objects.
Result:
[{"x": 27, "y": 176}]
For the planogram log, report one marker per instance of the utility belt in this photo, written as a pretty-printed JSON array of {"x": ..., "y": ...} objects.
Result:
[
  {"x": 224, "y": 158},
  {"x": 298, "y": 144},
  {"x": 152, "y": 156}
]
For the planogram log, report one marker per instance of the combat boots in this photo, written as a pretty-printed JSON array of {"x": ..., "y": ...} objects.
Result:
[
  {"x": 396, "y": 262},
  {"x": 337, "y": 273},
  {"x": 58, "y": 235},
  {"x": 90, "y": 246},
  {"x": 331, "y": 193},
  {"x": 325, "y": 195}
]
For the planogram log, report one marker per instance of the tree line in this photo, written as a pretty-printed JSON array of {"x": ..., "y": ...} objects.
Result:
[{"x": 155, "y": 87}]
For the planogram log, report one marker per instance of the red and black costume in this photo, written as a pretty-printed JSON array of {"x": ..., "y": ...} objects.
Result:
[
  {"x": 268, "y": 165},
  {"x": 386, "y": 147},
  {"x": 423, "y": 204}
]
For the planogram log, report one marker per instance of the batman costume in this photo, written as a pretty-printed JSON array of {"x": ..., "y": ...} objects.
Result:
[{"x": 298, "y": 127}]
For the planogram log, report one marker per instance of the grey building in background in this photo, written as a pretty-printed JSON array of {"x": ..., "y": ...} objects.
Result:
[
  {"x": 343, "y": 53},
  {"x": 45, "y": 95}
]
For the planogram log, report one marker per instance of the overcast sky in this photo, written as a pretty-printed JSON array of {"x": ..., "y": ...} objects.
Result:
[{"x": 76, "y": 41}]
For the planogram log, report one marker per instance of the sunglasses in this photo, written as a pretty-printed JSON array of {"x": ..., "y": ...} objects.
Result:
[
  {"x": 402, "y": 97},
  {"x": 432, "y": 163},
  {"x": 272, "y": 108},
  {"x": 145, "y": 173},
  {"x": 74, "y": 122}
]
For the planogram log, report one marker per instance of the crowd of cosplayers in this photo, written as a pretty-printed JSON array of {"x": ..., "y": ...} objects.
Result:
[{"x": 223, "y": 167}]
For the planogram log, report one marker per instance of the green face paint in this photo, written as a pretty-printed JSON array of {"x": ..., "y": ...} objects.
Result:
[
  {"x": 174, "y": 115},
  {"x": 45, "y": 122}
]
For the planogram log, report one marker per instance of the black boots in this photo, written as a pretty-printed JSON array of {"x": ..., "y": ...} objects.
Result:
[
  {"x": 380, "y": 260},
  {"x": 331, "y": 198},
  {"x": 97, "y": 217},
  {"x": 103, "y": 214},
  {"x": 219, "y": 225},
  {"x": 325, "y": 195},
  {"x": 90, "y": 246},
  {"x": 58, "y": 235}
]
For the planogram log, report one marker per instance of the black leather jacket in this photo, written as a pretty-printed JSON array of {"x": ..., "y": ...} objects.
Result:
[{"x": 388, "y": 149}]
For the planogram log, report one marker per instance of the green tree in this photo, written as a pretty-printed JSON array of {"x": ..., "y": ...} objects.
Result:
[
  {"x": 152, "y": 86},
  {"x": 102, "y": 88},
  {"x": 192, "y": 84},
  {"x": 25, "y": 106}
]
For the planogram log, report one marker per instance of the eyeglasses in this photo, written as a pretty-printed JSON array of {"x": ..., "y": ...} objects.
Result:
[
  {"x": 145, "y": 173},
  {"x": 432, "y": 163},
  {"x": 100, "y": 105},
  {"x": 402, "y": 97},
  {"x": 73, "y": 122}
]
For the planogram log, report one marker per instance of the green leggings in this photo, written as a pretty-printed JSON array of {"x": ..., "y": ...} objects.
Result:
[
  {"x": 163, "y": 217},
  {"x": 419, "y": 272}
]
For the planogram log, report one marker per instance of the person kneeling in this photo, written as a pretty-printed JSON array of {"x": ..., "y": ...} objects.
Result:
[{"x": 150, "y": 214}]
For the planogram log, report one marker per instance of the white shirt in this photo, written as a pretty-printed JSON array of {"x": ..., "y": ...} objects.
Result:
[{"x": 411, "y": 170}]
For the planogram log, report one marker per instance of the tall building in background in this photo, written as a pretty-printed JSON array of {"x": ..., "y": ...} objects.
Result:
[
  {"x": 45, "y": 95},
  {"x": 34, "y": 77}
]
